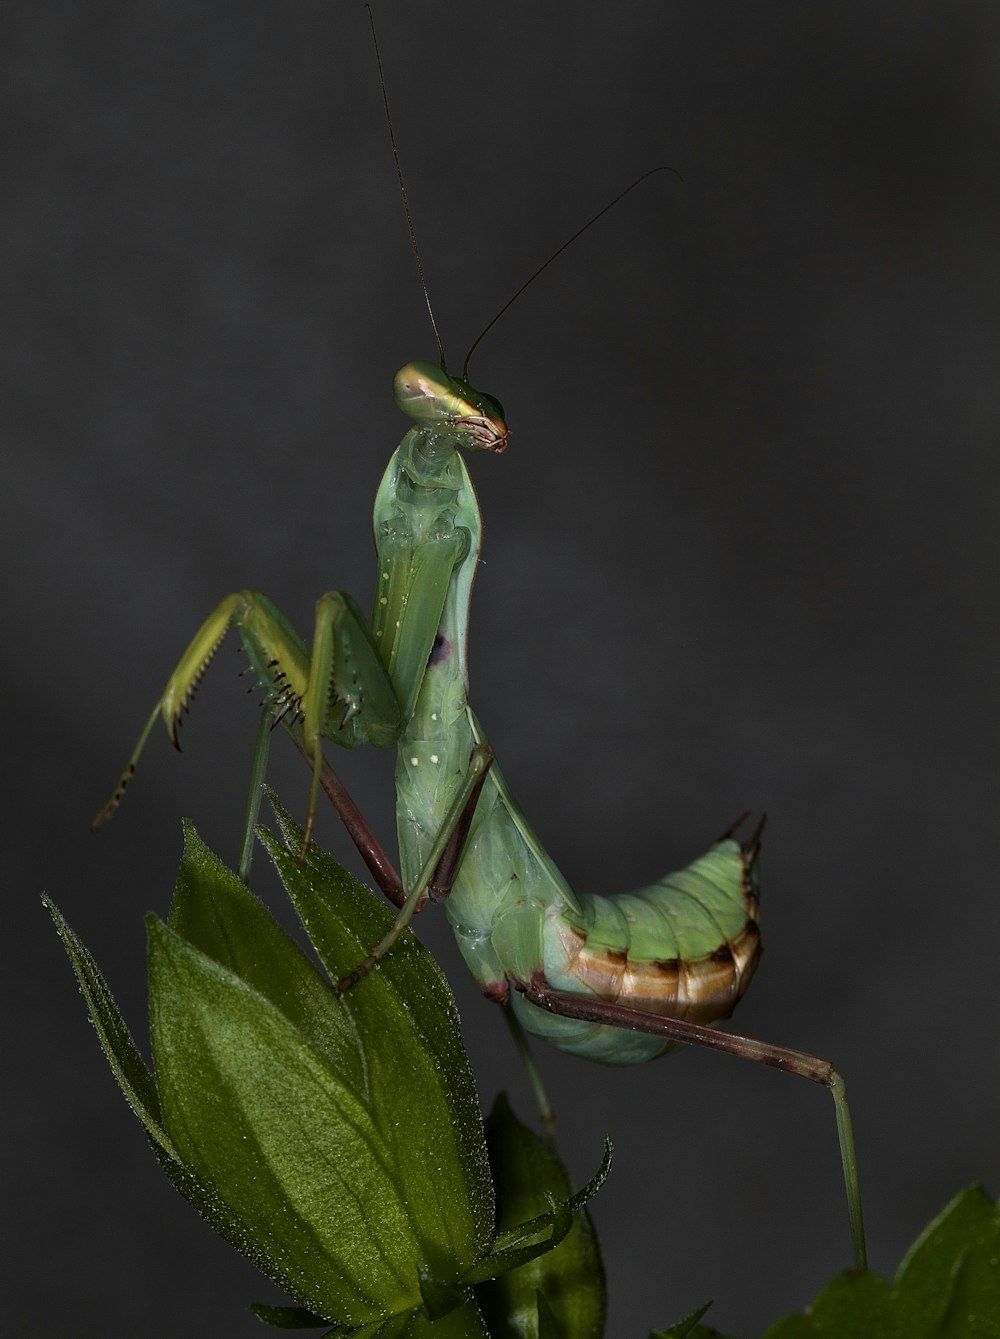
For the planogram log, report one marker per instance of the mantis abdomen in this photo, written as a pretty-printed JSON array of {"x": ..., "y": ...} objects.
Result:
[{"x": 684, "y": 947}]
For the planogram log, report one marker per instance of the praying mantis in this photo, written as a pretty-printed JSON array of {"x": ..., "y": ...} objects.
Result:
[{"x": 620, "y": 979}]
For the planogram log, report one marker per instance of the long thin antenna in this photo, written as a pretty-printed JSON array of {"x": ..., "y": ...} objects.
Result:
[
  {"x": 406, "y": 199},
  {"x": 558, "y": 252}
]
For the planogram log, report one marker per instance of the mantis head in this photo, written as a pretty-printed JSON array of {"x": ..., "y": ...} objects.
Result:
[{"x": 432, "y": 398}]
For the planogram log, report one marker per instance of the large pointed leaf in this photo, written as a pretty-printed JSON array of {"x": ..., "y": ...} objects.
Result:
[
  {"x": 138, "y": 1086},
  {"x": 687, "y": 1327},
  {"x": 342, "y": 1133},
  {"x": 255, "y": 1110},
  {"x": 126, "y": 1063},
  {"x": 337, "y": 1142},
  {"x": 420, "y": 1087},
  {"x": 217, "y": 913},
  {"x": 949, "y": 1281}
]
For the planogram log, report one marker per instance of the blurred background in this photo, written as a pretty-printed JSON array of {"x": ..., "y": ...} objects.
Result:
[{"x": 741, "y": 553}]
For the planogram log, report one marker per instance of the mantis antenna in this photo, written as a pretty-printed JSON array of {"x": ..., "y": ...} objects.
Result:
[
  {"x": 558, "y": 252},
  {"x": 406, "y": 200},
  {"x": 663, "y": 167}
]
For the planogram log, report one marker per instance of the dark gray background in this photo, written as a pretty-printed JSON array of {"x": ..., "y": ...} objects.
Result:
[{"x": 742, "y": 551}]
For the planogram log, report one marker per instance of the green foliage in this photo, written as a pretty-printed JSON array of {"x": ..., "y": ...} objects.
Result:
[
  {"x": 687, "y": 1327},
  {"x": 559, "y": 1295},
  {"x": 335, "y": 1141},
  {"x": 948, "y": 1287}
]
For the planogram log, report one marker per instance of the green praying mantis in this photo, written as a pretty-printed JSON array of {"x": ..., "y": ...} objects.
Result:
[{"x": 618, "y": 979}]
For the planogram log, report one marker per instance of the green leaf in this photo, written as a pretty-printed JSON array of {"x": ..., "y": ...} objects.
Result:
[
  {"x": 792, "y": 1327},
  {"x": 219, "y": 915},
  {"x": 511, "y": 1250},
  {"x": 558, "y": 1295},
  {"x": 137, "y": 1084},
  {"x": 930, "y": 1279},
  {"x": 439, "y": 1298},
  {"x": 948, "y": 1286},
  {"x": 687, "y": 1328},
  {"x": 949, "y": 1281},
  {"x": 342, "y": 1135},
  {"x": 853, "y": 1305},
  {"x": 259, "y": 1114},
  {"x": 464, "y": 1323},
  {"x": 519, "y": 1245},
  {"x": 420, "y": 1089},
  {"x": 126, "y": 1063}
]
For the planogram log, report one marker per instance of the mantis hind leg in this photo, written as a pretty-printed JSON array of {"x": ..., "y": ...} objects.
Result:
[{"x": 594, "y": 1010}]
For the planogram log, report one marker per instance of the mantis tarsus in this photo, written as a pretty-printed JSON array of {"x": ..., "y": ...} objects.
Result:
[{"x": 618, "y": 979}]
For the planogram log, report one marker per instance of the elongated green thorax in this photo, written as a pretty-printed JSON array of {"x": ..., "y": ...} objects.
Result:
[{"x": 427, "y": 525}]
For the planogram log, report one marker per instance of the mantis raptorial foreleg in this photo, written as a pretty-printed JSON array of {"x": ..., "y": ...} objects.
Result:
[{"x": 341, "y": 690}]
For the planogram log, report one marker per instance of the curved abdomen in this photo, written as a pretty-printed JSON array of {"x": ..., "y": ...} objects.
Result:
[{"x": 685, "y": 947}]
